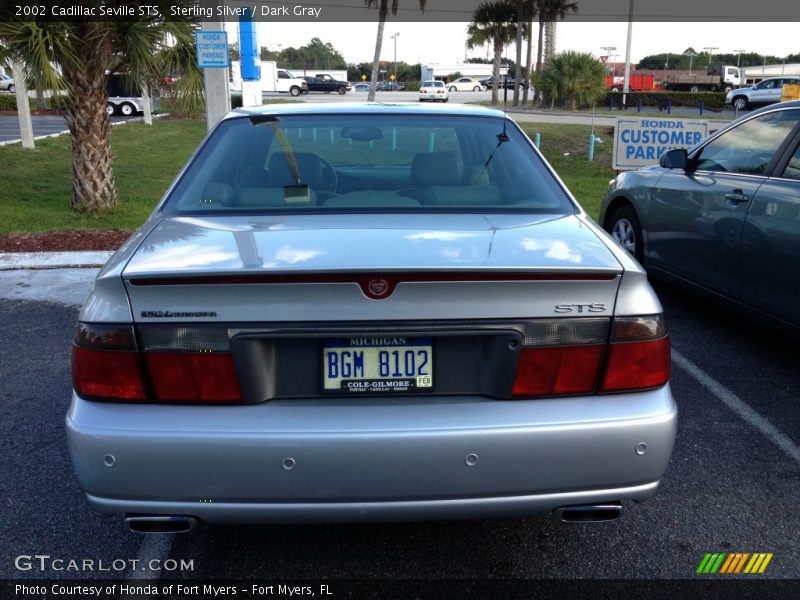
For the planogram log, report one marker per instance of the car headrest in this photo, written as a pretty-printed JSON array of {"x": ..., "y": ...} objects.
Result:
[{"x": 436, "y": 168}]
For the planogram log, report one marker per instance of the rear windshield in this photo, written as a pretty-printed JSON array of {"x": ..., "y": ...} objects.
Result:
[{"x": 367, "y": 163}]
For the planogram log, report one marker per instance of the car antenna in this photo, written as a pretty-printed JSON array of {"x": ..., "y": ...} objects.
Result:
[{"x": 502, "y": 137}]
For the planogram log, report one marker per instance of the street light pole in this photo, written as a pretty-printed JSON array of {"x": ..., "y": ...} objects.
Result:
[
  {"x": 709, "y": 49},
  {"x": 738, "y": 58},
  {"x": 394, "y": 37}
]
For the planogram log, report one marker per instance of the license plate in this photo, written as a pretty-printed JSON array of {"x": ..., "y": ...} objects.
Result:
[{"x": 377, "y": 365}]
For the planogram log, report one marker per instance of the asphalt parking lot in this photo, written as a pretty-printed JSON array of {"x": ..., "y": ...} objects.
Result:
[
  {"x": 42, "y": 125},
  {"x": 731, "y": 486}
]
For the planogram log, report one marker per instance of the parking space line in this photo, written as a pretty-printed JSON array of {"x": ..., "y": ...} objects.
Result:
[
  {"x": 155, "y": 546},
  {"x": 739, "y": 406}
]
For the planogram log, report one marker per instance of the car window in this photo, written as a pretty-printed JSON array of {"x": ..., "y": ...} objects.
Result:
[
  {"x": 367, "y": 162},
  {"x": 749, "y": 147},
  {"x": 792, "y": 170}
]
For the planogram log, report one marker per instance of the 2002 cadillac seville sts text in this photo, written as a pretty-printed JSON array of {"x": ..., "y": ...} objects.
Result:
[{"x": 364, "y": 313}]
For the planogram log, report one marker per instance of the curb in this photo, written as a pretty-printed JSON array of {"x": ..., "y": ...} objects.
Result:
[{"x": 10, "y": 261}]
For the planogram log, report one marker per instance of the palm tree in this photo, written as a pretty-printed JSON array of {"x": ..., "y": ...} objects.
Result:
[
  {"x": 520, "y": 20},
  {"x": 383, "y": 11},
  {"x": 550, "y": 10},
  {"x": 492, "y": 23},
  {"x": 572, "y": 78},
  {"x": 76, "y": 57},
  {"x": 530, "y": 13}
]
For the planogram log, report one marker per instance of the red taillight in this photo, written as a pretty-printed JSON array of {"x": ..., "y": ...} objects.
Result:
[
  {"x": 558, "y": 370},
  {"x": 193, "y": 377},
  {"x": 568, "y": 358},
  {"x": 183, "y": 363},
  {"x": 637, "y": 365},
  {"x": 105, "y": 364}
]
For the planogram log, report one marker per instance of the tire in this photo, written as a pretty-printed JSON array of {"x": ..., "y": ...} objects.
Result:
[
  {"x": 624, "y": 227},
  {"x": 127, "y": 109},
  {"x": 342, "y": 90},
  {"x": 111, "y": 110},
  {"x": 615, "y": 90},
  {"x": 12, "y": 88},
  {"x": 477, "y": 88},
  {"x": 727, "y": 88},
  {"x": 453, "y": 88},
  {"x": 694, "y": 89},
  {"x": 740, "y": 103},
  {"x": 294, "y": 90}
]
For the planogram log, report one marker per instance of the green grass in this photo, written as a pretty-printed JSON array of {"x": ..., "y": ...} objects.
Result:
[
  {"x": 566, "y": 147},
  {"x": 37, "y": 184}
]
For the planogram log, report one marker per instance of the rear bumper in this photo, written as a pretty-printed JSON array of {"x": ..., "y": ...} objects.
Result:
[{"x": 336, "y": 460}]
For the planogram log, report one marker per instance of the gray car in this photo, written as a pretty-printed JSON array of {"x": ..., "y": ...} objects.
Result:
[
  {"x": 724, "y": 217},
  {"x": 362, "y": 312}
]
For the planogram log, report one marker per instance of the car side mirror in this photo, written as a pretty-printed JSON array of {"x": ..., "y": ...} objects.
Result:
[{"x": 677, "y": 158}]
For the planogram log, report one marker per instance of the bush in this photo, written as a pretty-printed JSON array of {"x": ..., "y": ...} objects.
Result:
[
  {"x": 236, "y": 100},
  {"x": 572, "y": 79},
  {"x": 9, "y": 102},
  {"x": 714, "y": 101}
]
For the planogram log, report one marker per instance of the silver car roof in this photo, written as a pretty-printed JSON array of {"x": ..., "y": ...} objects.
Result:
[{"x": 410, "y": 108}]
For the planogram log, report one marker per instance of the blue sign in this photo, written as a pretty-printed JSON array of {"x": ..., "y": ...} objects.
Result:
[
  {"x": 639, "y": 142},
  {"x": 212, "y": 49}
]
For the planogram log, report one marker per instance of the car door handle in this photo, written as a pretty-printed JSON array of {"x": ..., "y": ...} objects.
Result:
[{"x": 737, "y": 196}]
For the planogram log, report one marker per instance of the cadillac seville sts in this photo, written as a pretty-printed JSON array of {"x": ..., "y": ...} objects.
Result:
[{"x": 361, "y": 312}]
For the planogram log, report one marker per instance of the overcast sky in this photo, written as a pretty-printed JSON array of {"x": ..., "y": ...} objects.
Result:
[{"x": 444, "y": 42}]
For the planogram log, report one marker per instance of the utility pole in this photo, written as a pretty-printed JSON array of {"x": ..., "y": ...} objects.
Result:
[{"x": 738, "y": 58}]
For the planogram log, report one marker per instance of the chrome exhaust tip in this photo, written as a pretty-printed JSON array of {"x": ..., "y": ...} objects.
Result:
[
  {"x": 160, "y": 523},
  {"x": 589, "y": 513}
]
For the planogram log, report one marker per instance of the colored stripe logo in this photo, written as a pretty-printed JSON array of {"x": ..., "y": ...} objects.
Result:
[{"x": 732, "y": 563}]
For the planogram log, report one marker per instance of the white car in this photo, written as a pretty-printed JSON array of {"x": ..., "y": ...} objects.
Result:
[
  {"x": 6, "y": 83},
  {"x": 466, "y": 84},
  {"x": 767, "y": 91},
  {"x": 433, "y": 91}
]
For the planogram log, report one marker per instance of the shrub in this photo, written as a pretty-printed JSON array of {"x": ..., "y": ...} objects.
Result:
[
  {"x": 714, "y": 101},
  {"x": 9, "y": 102},
  {"x": 572, "y": 79}
]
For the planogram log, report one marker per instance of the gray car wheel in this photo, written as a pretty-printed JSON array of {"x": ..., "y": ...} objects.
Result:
[
  {"x": 12, "y": 88},
  {"x": 740, "y": 103},
  {"x": 625, "y": 229}
]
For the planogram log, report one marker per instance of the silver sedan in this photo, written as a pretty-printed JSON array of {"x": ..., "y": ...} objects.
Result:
[{"x": 362, "y": 312}]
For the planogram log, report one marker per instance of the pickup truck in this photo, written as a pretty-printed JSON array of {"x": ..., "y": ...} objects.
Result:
[{"x": 322, "y": 82}]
